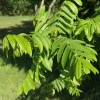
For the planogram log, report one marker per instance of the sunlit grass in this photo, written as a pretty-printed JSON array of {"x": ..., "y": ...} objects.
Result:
[
  {"x": 10, "y": 79},
  {"x": 8, "y": 21}
]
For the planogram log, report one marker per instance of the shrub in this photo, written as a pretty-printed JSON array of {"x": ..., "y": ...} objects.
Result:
[{"x": 58, "y": 46}]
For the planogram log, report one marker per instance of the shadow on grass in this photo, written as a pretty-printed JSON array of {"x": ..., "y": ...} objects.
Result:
[
  {"x": 25, "y": 60},
  {"x": 26, "y": 27}
]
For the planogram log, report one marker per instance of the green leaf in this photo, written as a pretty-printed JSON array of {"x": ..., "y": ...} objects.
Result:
[
  {"x": 20, "y": 90},
  {"x": 44, "y": 41},
  {"x": 39, "y": 13},
  {"x": 82, "y": 23},
  {"x": 52, "y": 20},
  {"x": 86, "y": 70},
  {"x": 64, "y": 21},
  {"x": 65, "y": 56},
  {"x": 79, "y": 30},
  {"x": 17, "y": 52},
  {"x": 47, "y": 63},
  {"x": 55, "y": 85},
  {"x": 61, "y": 26},
  {"x": 42, "y": 11},
  {"x": 25, "y": 87},
  {"x": 66, "y": 16},
  {"x": 64, "y": 73},
  {"x": 30, "y": 82},
  {"x": 78, "y": 69},
  {"x": 30, "y": 73},
  {"x": 59, "y": 86},
  {"x": 23, "y": 44},
  {"x": 5, "y": 43},
  {"x": 79, "y": 2},
  {"x": 45, "y": 16},
  {"x": 37, "y": 74},
  {"x": 89, "y": 36},
  {"x": 86, "y": 30},
  {"x": 74, "y": 91},
  {"x": 60, "y": 30},
  {"x": 72, "y": 61},
  {"x": 75, "y": 81},
  {"x": 60, "y": 51},
  {"x": 88, "y": 65},
  {"x": 97, "y": 28},
  {"x": 48, "y": 40},
  {"x": 11, "y": 40},
  {"x": 39, "y": 26},
  {"x": 92, "y": 53},
  {"x": 71, "y": 55},
  {"x": 72, "y": 6},
  {"x": 68, "y": 12},
  {"x": 41, "y": 73},
  {"x": 38, "y": 42},
  {"x": 92, "y": 29},
  {"x": 55, "y": 45}
]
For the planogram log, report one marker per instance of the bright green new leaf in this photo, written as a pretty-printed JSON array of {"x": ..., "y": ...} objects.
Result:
[
  {"x": 65, "y": 9},
  {"x": 47, "y": 64},
  {"x": 78, "y": 69},
  {"x": 60, "y": 51},
  {"x": 88, "y": 64},
  {"x": 23, "y": 44},
  {"x": 38, "y": 42},
  {"x": 20, "y": 90},
  {"x": 25, "y": 87},
  {"x": 43, "y": 41},
  {"x": 79, "y": 2},
  {"x": 30, "y": 82},
  {"x": 79, "y": 31},
  {"x": 11, "y": 40},
  {"x": 65, "y": 56},
  {"x": 72, "y": 6},
  {"x": 55, "y": 45}
]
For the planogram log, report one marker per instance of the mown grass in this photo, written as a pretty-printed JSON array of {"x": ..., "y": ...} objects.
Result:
[
  {"x": 10, "y": 79},
  {"x": 13, "y": 72},
  {"x": 11, "y": 21}
]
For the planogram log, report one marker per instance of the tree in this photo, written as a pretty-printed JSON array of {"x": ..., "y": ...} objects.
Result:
[{"x": 59, "y": 49}]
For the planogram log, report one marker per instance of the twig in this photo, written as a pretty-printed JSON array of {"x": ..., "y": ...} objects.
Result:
[
  {"x": 42, "y": 3},
  {"x": 51, "y": 5}
]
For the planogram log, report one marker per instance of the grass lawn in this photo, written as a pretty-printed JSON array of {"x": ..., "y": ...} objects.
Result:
[
  {"x": 11, "y": 73},
  {"x": 10, "y": 78},
  {"x": 11, "y": 21},
  {"x": 15, "y": 25}
]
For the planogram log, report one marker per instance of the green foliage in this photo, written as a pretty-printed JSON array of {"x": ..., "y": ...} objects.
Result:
[
  {"x": 16, "y": 7},
  {"x": 60, "y": 59},
  {"x": 87, "y": 28}
]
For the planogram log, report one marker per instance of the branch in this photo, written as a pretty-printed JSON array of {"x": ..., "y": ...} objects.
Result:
[
  {"x": 42, "y": 3},
  {"x": 51, "y": 5}
]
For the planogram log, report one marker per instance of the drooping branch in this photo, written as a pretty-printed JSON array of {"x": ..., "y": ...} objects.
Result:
[{"x": 51, "y": 5}]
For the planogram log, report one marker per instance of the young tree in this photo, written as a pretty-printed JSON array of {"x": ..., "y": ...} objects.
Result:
[{"x": 59, "y": 49}]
